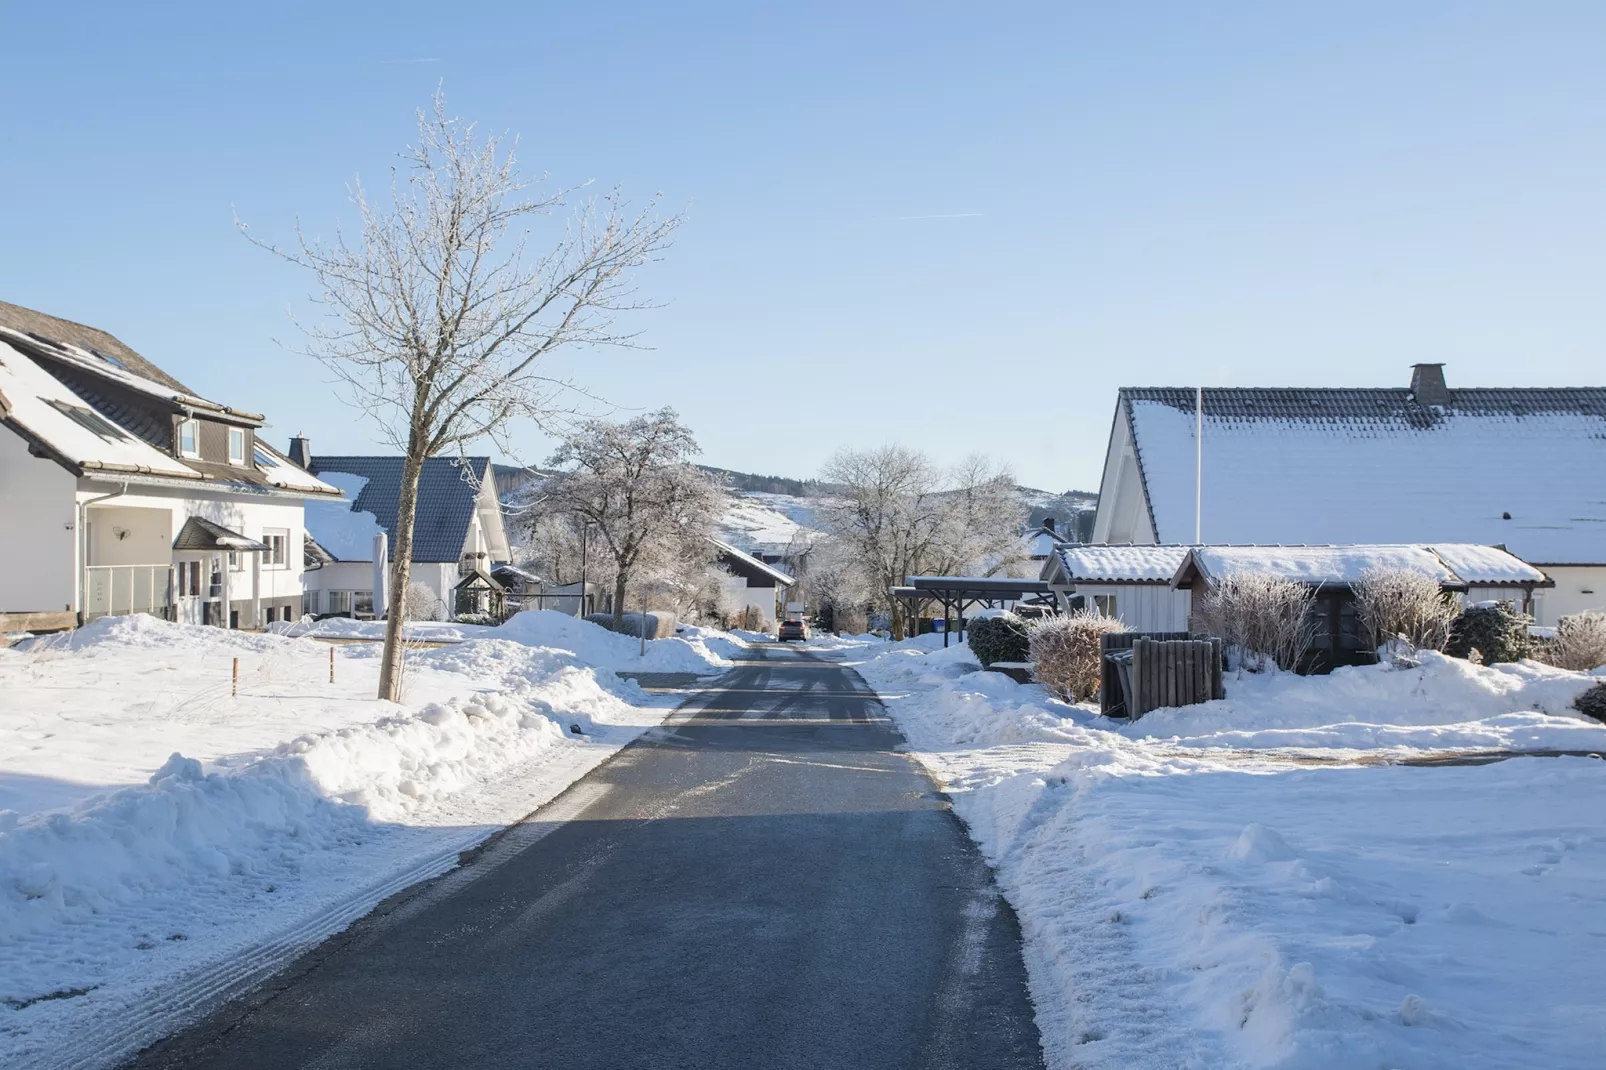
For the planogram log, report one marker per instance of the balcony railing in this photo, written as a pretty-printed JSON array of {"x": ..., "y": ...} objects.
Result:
[{"x": 113, "y": 590}]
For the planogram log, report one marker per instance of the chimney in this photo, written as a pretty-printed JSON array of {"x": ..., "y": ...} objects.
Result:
[
  {"x": 300, "y": 451},
  {"x": 1048, "y": 523},
  {"x": 1427, "y": 384}
]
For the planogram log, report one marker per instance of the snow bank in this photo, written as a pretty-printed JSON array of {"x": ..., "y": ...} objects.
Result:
[{"x": 1193, "y": 892}]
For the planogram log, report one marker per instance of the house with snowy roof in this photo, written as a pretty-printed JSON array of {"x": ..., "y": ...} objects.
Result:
[
  {"x": 124, "y": 491},
  {"x": 752, "y": 582},
  {"x": 459, "y": 534},
  {"x": 1519, "y": 468}
]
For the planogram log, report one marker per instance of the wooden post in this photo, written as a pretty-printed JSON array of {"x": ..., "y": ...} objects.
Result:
[
  {"x": 236, "y": 677},
  {"x": 331, "y": 663}
]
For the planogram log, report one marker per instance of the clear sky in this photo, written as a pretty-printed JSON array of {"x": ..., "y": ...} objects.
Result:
[{"x": 960, "y": 227}]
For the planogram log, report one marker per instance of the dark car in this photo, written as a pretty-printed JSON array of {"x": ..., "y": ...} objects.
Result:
[{"x": 792, "y": 629}]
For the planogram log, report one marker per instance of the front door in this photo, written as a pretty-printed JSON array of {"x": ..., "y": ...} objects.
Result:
[{"x": 192, "y": 589}]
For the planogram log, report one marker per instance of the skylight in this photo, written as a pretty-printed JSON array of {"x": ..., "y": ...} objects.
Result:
[
  {"x": 90, "y": 420},
  {"x": 108, "y": 358}
]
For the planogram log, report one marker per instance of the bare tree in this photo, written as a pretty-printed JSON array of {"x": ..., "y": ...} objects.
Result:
[
  {"x": 438, "y": 317},
  {"x": 635, "y": 483},
  {"x": 898, "y": 515}
]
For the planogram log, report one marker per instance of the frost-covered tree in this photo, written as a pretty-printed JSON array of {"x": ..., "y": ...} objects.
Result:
[
  {"x": 439, "y": 314},
  {"x": 650, "y": 507},
  {"x": 896, "y": 514}
]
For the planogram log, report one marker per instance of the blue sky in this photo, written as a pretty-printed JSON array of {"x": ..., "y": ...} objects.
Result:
[{"x": 960, "y": 227}]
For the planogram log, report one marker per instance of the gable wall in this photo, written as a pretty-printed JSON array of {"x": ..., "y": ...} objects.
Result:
[
  {"x": 38, "y": 535},
  {"x": 1123, "y": 509}
]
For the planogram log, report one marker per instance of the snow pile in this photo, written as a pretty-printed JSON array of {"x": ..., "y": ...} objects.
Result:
[{"x": 1241, "y": 883}]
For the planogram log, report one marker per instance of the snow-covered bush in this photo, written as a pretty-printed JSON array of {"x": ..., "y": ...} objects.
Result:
[
  {"x": 1065, "y": 653},
  {"x": 1579, "y": 643},
  {"x": 1592, "y": 703},
  {"x": 1000, "y": 638},
  {"x": 1493, "y": 630},
  {"x": 420, "y": 603},
  {"x": 1402, "y": 603},
  {"x": 1260, "y": 618}
]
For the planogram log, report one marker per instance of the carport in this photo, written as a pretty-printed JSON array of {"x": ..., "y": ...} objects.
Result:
[{"x": 959, "y": 595}]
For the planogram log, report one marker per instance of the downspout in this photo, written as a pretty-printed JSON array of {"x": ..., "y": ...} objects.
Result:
[{"x": 83, "y": 545}]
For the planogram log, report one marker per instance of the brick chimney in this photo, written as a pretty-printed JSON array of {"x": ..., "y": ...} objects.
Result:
[
  {"x": 300, "y": 451},
  {"x": 1427, "y": 384}
]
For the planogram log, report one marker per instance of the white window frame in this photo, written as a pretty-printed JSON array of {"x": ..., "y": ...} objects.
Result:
[
  {"x": 237, "y": 434},
  {"x": 339, "y": 603},
  {"x": 277, "y": 554},
  {"x": 193, "y": 426},
  {"x": 310, "y": 602}
]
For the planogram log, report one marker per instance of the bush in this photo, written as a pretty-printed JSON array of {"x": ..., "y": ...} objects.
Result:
[
  {"x": 1065, "y": 654},
  {"x": 659, "y": 625},
  {"x": 1580, "y": 643},
  {"x": 1592, "y": 703},
  {"x": 1493, "y": 630},
  {"x": 1260, "y": 618},
  {"x": 420, "y": 603},
  {"x": 1000, "y": 638},
  {"x": 1402, "y": 603}
]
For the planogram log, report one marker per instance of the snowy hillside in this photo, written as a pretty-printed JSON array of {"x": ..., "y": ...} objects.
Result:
[{"x": 769, "y": 522}]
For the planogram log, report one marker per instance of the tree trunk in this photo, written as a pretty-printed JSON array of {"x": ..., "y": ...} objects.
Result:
[
  {"x": 401, "y": 571},
  {"x": 619, "y": 598}
]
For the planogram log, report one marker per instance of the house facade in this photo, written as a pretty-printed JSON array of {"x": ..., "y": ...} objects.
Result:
[
  {"x": 459, "y": 533},
  {"x": 1518, "y": 468},
  {"x": 123, "y": 491},
  {"x": 751, "y": 582}
]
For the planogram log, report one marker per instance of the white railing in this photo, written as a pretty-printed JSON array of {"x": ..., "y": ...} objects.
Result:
[{"x": 111, "y": 590}]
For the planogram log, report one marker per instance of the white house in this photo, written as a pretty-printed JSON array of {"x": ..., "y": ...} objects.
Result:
[
  {"x": 122, "y": 490},
  {"x": 459, "y": 532},
  {"x": 1518, "y": 468},
  {"x": 752, "y": 583},
  {"x": 1132, "y": 583}
]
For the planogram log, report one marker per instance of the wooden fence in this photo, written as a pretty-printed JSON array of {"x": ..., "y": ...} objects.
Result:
[{"x": 1165, "y": 669}]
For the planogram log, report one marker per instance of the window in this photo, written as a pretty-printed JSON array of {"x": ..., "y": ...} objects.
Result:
[
  {"x": 89, "y": 419},
  {"x": 309, "y": 602},
  {"x": 236, "y": 561},
  {"x": 189, "y": 579},
  {"x": 189, "y": 438},
  {"x": 237, "y": 445},
  {"x": 340, "y": 603},
  {"x": 275, "y": 554},
  {"x": 1105, "y": 604},
  {"x": 362, "y": 602}
]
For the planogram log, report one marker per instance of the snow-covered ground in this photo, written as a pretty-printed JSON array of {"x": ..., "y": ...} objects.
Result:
[
  {"x": 1257, "y": 882},
  {"x": 162, "y": 839},
  {"x": 758, "y": 520}
]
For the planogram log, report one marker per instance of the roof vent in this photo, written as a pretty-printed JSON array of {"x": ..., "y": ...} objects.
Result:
[{"x": 1427, "y": 384}]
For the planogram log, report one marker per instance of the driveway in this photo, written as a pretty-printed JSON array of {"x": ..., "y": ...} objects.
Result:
[{"x": 765, "y": 881}]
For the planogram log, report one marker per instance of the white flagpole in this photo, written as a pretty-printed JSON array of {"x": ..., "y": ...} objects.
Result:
[{"x": 1198, "y": 467}]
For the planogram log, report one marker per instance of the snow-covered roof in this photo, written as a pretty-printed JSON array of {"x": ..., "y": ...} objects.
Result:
[
  {"x": 1114, "y": 564},
  {"x": 277, "y": 469},
  {"x": 1515, "y": 467},
  {"x": 448, "y": 491},
  {"x": 752, "y": 562},
  {"x": 345, "y": 532},
  {"x": 43, "y": 410},
  {"x": 1343, "y": 566}
]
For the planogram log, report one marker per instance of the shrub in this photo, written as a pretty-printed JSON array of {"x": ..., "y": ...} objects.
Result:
[
  {"x": 1260, "y": 618},
  {"x": 1064, "y": 652},
  {"x": 1493, "y": 630},
  {"x": 1592, "y": 703},
  {"x": 1000, "y": 638},
  {"x": 420, "y": 603},
  {"x": 1580, "y": 643},
  {"x": 1402, "y": 603}
]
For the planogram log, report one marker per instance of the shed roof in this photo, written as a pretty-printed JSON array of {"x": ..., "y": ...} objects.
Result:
[
  {"x": 447, "y": 491},
  {"x": 1515, "y": 467},
  {"x": 1343, "y": 566},
  {"x": 1113, "y": 564}
]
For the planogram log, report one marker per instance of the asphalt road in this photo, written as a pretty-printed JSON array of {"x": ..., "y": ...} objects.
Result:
[{"x": 762, "y": 882}]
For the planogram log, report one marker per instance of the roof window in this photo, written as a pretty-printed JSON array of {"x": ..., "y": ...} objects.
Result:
[
  {"x": 90, "y": 420},
  {"x": 108, "y": 358}
]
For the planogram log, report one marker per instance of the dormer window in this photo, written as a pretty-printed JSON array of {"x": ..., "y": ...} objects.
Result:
[
  {"x": 237, "y": 445},
  {"x": 189, "y": 438}
]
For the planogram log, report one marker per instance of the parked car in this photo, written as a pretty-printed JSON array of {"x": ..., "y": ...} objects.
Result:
[{"x": 792, "y": 629}]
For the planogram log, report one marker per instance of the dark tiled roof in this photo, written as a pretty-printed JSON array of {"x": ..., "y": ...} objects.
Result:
[
  {"x": 59, "y": 330},
  {"x": 445, "y": 498},
  {"x": 137, "y": 413},
  {"x": 1321, "y": 405}
]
